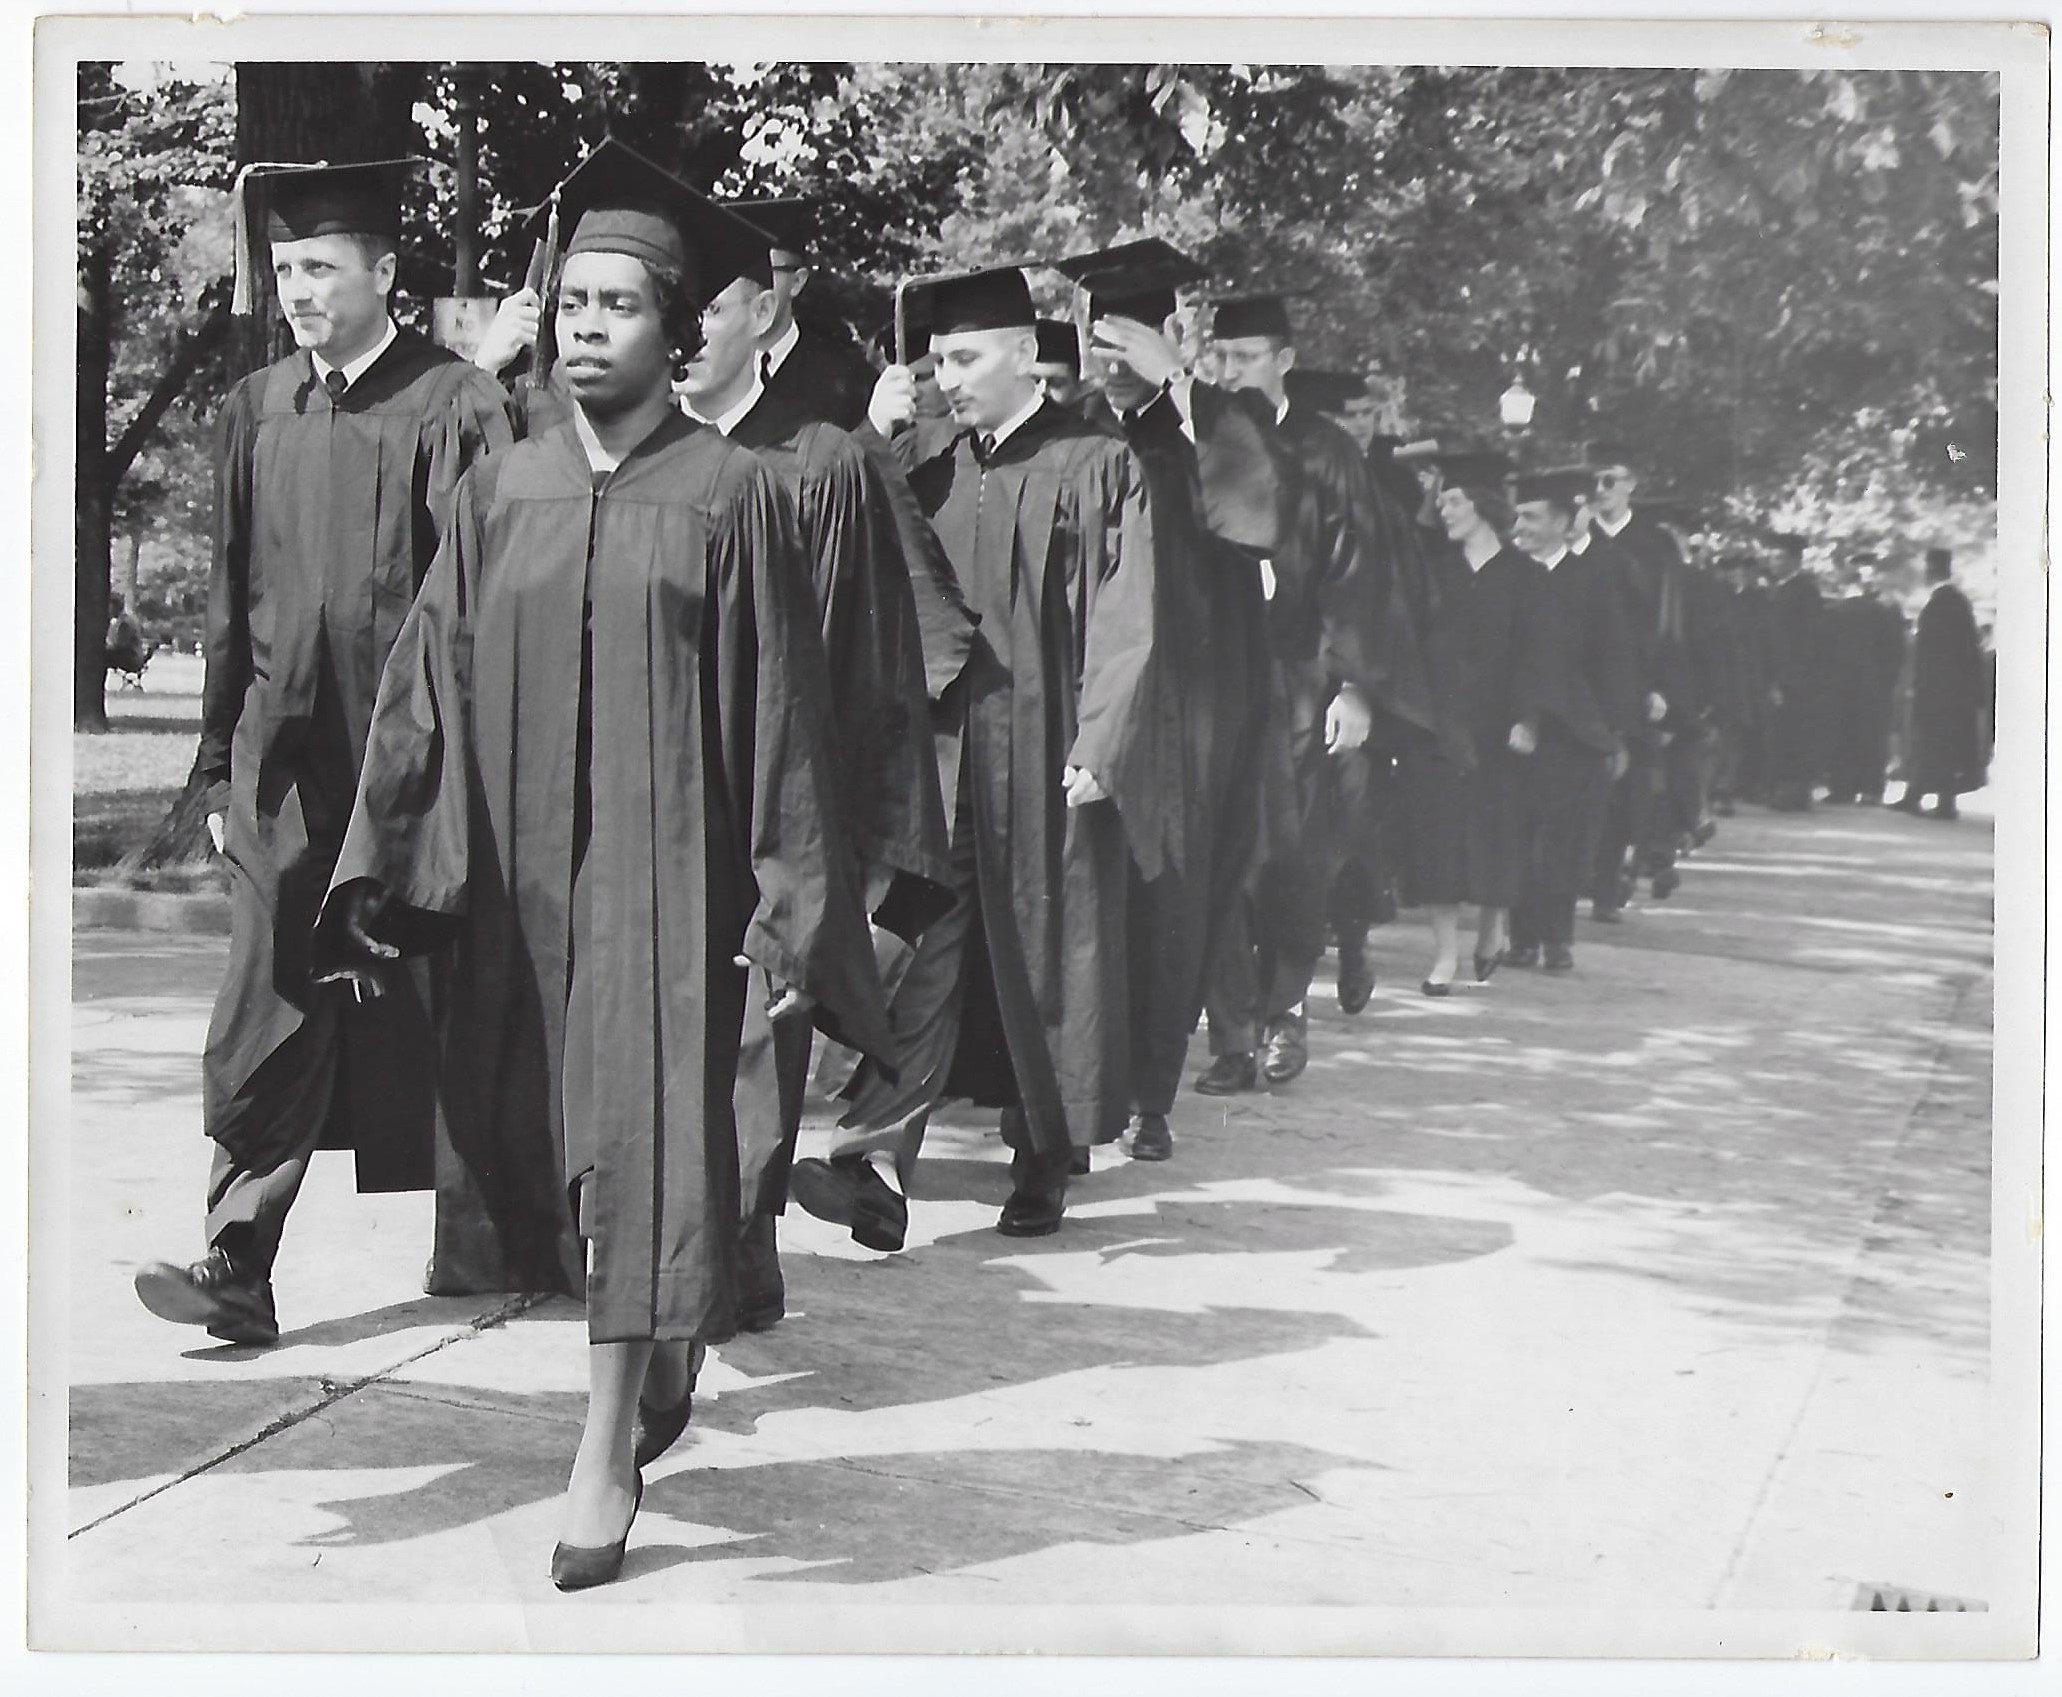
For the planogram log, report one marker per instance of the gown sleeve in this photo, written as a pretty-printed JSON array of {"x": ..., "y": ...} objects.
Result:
[
  {"x": 888, "y": 775},
  {"x": 808, "y": 926},
  {"x": 410, "y": 829},
  {"x": 228, "y": 673},
  {"x": 1120, "y": 732}
]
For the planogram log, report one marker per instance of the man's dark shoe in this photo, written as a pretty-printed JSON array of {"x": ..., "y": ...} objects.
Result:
[
  {"x": 1605, "y": 915},
  {"x": 1666, "y": 882},
  {"x": 1287, "y": 1051},
  {"x": 761, "y": 1291},
  {"x": 1150, "y": 1138},
  {"x": 1705, "y": 831},
  {"x": 234, "y": 1306},
  {"x": 847, "y": 1191},
  {"x": 1356, "y": 977},
  {"x": 1039, "y": 1197},
  {"x": 1078, "y": 1164},
  {"x": 1559, "y": 958},
  {"x": 1229, "y": 1075},
  {"x": 1522, "y": 954}
]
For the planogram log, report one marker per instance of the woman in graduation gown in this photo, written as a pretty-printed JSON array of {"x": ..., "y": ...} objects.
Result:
[
  {"x": 598, "y": 758},
  {"x": 1463, "y": 824}
]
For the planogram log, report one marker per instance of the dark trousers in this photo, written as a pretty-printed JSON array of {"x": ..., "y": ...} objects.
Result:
[
  {"x": 1567, "y": 788},
  {"x": 291, "y": 1097}
]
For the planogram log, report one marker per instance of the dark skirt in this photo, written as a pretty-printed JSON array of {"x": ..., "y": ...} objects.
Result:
[
  {"x": 1499, "y": 848},
  {"x": 1433, "y": 835}
]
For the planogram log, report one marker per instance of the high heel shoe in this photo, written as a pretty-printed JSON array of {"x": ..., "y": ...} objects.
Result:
[
  {"x": 576, "y": 1569},
  {"x": 1486, "y": 964},
  {"x": 659, "y": 1429}
]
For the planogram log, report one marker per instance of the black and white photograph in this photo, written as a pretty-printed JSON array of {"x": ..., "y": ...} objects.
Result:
[{"x": 891, "y": 835}]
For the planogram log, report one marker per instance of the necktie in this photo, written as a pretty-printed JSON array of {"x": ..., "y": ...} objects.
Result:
[
  {"x": 985, "y": 446},
  {"x": 765, "y": 367},
  {"x": 336, "y": 383}
]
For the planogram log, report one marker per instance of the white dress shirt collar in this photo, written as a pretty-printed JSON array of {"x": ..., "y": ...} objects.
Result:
[
  {"x": 775, "y": 354},
  {"x": 1559, "y": 555},
  {"x": 1610, "y": 529},
  {"x": 356, "y": 368},
  {"x": 732, "y": 417},
  {"x": 1015, "y": 422},
  {"x": 1580, "y": 545}
]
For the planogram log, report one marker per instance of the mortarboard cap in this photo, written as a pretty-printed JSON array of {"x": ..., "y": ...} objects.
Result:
[
  {"x": 1327, "y": 391},
  {"x": 1133, "y": 280},
  {"x": 1607, "y": 451},
  {"x": 790, "y": 222},
  {"x": 1059, "y": 343},
  {"x": 618, "y": 201},
  {"x": 291, "y": 203},
  {"x": 1252, "y": 315},
  {"x": 1940, "y": 559},
  {"x": 1563, "y": 485},
  {"x": 997, "y": 298},
  {"x": 1477, "y": 468}
]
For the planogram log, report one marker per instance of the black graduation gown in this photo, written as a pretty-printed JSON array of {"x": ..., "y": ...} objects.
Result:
[
  {"x": 327, "y": 517},
  {"x": 1586, "y": 705},
  {"x": 1950, "y": 698},
  {"x": 826, "y": 380},
  {"x": 1866, "y": 639},
  {"x": 1796, "y": 635},
  {"x": 1052, "y": 542},
  {"x": 880, "y": 728},
  {"x": 599, "y": 760},
  {"x": 1216, "y": 509}
]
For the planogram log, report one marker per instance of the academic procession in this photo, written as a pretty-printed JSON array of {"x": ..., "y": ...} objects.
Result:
[{"x": 678, "y": 758}]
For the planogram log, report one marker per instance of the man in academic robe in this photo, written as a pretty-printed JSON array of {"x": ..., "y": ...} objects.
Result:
[
  {"x": 1866, "y": 642},
  {"x": 880, "y": 719},
  {"x": 827, "y": 379},
  {"x": 1950, "y": 697},
  {"x": 1017, "y": 999},
  {"x": 1654, "y": 584},
  {"x": 335, "y": 473},
  {"x": 1798, "y": 694},
  {"x": 1343, "y": 658},
  {"x": 1217, "y": 508},
  {"x": 1590, "y": 701}
]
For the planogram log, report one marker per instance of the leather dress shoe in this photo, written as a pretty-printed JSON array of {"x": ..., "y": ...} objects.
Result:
[
  {"x": 1229, "y": 1075},
  {"x": 235, "y": 1307},
  {"x": 1559, "y": 958},
  {"x": 1606, "y": 915},
  {"x": 1666, "y": 882},
  {"x": 1078, "y": 1164},
  {"x": 1039, "y": 1197},
  {"x": 1150, "y": 1138},
  {"x": 762, "y": 1292},
  {"x": 847, "y": 1191},
  {"x": 1487, "y": 964},
  {"x": 1708, "y": 828},
  {"x": 1522, "y": 954},
  {"x": 578, "y": 1568},
  {"x": 1287, "y": 1050},
  {"x": 1356, "y": 977},
  {"x": 658, "y": 1429}
]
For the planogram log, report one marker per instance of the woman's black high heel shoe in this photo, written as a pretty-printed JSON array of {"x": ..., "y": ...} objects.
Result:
[
  {"x": 577, "y": 1569},
  {"x": 1486, "y": 964},
  {"x": 1432, "y": 988},
  {"x": 659, "y": 1429}
]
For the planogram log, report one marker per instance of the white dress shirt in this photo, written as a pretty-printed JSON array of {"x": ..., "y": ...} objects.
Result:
[{"x": 356, "y": 368}]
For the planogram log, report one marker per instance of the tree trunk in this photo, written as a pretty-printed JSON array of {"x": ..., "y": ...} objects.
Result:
[{"x": 93, "y": 500}]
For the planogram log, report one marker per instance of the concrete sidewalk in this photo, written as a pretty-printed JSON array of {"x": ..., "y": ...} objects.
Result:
[{"x": 1664, "y": 1287}]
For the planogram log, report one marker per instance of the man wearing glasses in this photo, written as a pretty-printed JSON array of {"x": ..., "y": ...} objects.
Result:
[{"x": 806, "y": 374}]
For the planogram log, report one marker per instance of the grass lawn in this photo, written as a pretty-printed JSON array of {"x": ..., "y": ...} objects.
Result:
[{"x": 123, "y": 782}]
